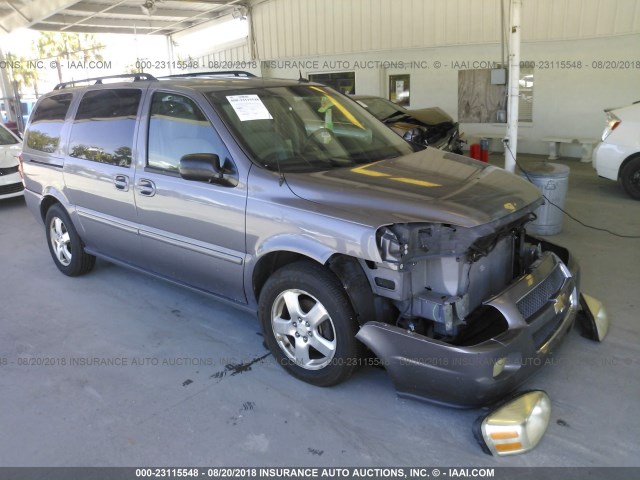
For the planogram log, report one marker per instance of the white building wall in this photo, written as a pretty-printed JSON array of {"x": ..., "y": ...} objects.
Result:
[
  {"x": 291, "y": 28},
  {"x": 567, "y": 102},
  {"x": 570, "y": 102}
]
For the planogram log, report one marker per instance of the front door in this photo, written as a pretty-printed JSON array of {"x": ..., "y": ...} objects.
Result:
[{"x": 190, "y": 231}]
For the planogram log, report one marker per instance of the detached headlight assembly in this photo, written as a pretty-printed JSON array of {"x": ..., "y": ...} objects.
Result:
[
  {"x": 516, "y": 426},
  {"x": 595, "y": 321}
]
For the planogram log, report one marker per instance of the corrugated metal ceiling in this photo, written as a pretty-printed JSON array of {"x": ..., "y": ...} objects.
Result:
[{"x": 160, "y": 17}]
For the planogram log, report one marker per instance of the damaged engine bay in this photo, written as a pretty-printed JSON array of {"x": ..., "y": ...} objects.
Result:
[{"x": 438, "y": 276}]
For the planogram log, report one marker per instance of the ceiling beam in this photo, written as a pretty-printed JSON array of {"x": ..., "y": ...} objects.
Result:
[
  {"x": 123, "y": 16},
  {"x": 83, "y": 8},
  {"x": 94, "y": 14},
  {"x": 35, "y": 11},
  {"x": 81, "y": 29},
  {"x": 143, "y": 22},
  {"x": 15, "y": 9},
  {"x": 218, "y": 7}
]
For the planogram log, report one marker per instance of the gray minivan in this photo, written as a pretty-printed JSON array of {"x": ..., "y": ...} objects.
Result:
[{"x": 290, "y": 199}]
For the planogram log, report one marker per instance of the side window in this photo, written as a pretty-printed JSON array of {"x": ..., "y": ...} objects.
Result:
[
  {"x": 47, "y": 122},
  {"x": 103, "y": 128},
  {"x": 177, "y": 127}
]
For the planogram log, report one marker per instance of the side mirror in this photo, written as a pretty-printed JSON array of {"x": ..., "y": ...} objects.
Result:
[{"x": 206, "y": 167}]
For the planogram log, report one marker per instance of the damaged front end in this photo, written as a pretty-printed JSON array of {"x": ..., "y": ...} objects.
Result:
[{"x": 479, "y": 309}]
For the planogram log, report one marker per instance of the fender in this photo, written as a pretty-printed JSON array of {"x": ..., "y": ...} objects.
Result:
[
  {"x": 301, "y": 244},
  {"x": 52, "y": 191}
]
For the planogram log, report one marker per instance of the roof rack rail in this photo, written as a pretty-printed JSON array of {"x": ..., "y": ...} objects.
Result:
[
  {"x": 137, "y": 77},
  {"x": 221, "y": 73}
]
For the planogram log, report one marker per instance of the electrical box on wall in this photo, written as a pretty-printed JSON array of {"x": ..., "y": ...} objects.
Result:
[{"x": 498, "y": 76}]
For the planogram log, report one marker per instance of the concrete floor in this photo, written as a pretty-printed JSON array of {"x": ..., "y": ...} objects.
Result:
[{"x": 199, "y": 412}]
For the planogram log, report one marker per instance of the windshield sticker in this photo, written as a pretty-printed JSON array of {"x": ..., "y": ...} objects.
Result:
[{"x": 249, "y": 107}]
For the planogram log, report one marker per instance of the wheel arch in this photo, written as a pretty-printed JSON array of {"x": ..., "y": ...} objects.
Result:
[
  {"x": 272, "y": 261},
  {"x": 51, "y": 196},
  {"x": 47, "y": 202},
  {"x": 347, "y": 270}
]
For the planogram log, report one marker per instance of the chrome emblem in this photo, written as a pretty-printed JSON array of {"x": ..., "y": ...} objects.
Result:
[{"x": 560, "y": 303}]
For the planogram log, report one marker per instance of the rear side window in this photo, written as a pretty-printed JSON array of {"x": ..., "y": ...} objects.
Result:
[
  {"x": 47, "y": 122},
  {"x": 104, "y": 125}
]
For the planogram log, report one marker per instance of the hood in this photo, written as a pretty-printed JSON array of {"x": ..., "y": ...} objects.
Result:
[
  {"x": 427, "y": 186},
  {"x": 431, "y": 116},
  {"x": 9, "y": 155}
]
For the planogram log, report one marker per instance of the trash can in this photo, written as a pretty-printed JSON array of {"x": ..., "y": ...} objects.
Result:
[
  {"x": 484, "y": 150},
  {"x": 552, "y": 179}
]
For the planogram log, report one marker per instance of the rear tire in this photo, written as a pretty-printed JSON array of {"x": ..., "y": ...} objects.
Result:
[
  {"x": 309, "y": 324},
  {"x": 630, "y": 178},
  {"x": 65, "y": 244}
]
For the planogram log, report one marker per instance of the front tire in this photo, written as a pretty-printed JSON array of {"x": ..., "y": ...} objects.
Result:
[
  {"x": 309, "y": 324},
  {"x": 65, "y": 244},
  {"x": 630, "y": 178}
]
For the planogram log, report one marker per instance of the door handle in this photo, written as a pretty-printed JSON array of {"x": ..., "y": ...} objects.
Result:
[
  {"x": 121, "y": 182},
  {"x": 146, "y": 187}
]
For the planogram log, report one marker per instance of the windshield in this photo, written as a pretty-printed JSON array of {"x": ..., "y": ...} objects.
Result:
[
  {"x": 305, "y": 128},
  {"x": 381, "y": 108}
]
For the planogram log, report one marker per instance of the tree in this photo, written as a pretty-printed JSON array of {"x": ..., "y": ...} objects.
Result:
[
  {"x": 68, "y": 46},
  {"x": 53, "y": 45},
  {"x": 23, "y": 75}
]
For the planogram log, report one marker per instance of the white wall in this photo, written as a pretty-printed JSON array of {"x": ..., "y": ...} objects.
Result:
[
  {"x": 566, "y": 101},
  {"x": 291, "y": 28}
]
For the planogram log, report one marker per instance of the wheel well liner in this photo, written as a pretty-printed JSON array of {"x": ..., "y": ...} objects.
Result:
[
  {"x": 46, "y": 204},
  {"x": 269, "y": 264}
]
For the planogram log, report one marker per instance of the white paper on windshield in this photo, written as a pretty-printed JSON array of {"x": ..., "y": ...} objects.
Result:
[{"x": 249, "y": 107}]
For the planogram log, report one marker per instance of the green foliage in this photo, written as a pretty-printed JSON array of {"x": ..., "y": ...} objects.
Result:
[
  {"x": 21, "y": 73},
  {"x": 69, "y": 46},
  {"x": 42, "y": 142},
  {"x": 54, "y": 46}
]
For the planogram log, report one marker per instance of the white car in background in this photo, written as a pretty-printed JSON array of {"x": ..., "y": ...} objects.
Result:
[
  {"x": 10, "y": 179},
  {"x": 617, "y": 157}
]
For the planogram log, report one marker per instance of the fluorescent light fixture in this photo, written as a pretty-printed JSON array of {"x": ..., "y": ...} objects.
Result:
[
  {"x": 239, "y": 13},
  {"x": 149, "y": 7}
]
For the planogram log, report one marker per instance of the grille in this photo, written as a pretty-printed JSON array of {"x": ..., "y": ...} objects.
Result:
[
  {"x": 537, "y": 298},
  {"x": 542, "y": 335},
  {"x": 13, "y": 188},
  {"x": 8, "y": 171}
]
